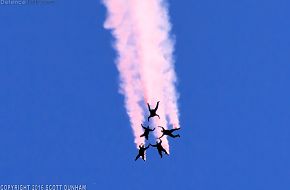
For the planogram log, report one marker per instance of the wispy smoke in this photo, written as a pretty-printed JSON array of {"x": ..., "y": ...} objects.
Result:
[{"x": 144, "y": 46}]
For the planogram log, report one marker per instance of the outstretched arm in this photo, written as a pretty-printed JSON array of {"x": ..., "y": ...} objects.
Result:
[
  {"x": 147, "y": 147},
  {"x": 156, "y": 106},
  {"x": 152, "y": 129},
  {"x": 162, "y": 128},
  {"x": 148, "y": 106},
  {"x": 143, "y": 126}
]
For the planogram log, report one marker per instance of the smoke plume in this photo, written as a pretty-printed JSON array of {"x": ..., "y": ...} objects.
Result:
[{"x": 144, "y": 45}]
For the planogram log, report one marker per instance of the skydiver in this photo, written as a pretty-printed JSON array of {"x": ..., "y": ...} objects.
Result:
[
  {"x": 168, "y": 132},
  {"x": 142, "y": 150},
  {"x": 160, "y": 148},
  {"x": 147, "y": 130},
  {"x": 153, "y": 111}
]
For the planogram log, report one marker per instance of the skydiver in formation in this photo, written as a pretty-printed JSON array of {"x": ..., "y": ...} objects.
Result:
[
  {"x": 153, "y": 111},
  {"x": 142, "y": 150},
  {"x": 169, "y": 132},
  {"x": 147, "y": 130},
  {"x": 159, "y": 148}
]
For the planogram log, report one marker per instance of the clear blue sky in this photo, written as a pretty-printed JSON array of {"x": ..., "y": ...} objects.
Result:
[{"x": 62, "y": 119}]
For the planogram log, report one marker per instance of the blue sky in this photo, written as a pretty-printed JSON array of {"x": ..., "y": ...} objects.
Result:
[{"x": 62, "y": 119}]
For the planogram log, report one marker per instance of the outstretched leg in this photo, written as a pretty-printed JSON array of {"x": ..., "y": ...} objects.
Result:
[
  {"x": 137, "y": 157},
  {"x": 149, "y": 117},
  {"x": 160, "y": 153},
  {"x": 146, "y": 137},
  {"x": 156, "y": 106},
  {"x": 173, "y": 136},
  {"x": 158, "y": 116},
  {"x": 172, "y": 130},
  {"x": 165, "y": 151},
  {"x": 143, "y": 157},
  {"x": 142, "y": 135}
]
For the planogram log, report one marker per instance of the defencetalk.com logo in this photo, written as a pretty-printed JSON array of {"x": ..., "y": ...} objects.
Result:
[{"x": 26, "y": 2}]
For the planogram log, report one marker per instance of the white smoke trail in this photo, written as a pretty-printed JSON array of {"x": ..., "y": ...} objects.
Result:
[{"x": 142, "y": 32}]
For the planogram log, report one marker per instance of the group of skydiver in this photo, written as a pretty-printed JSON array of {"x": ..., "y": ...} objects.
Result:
[{"x": 147, "y": 130}]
